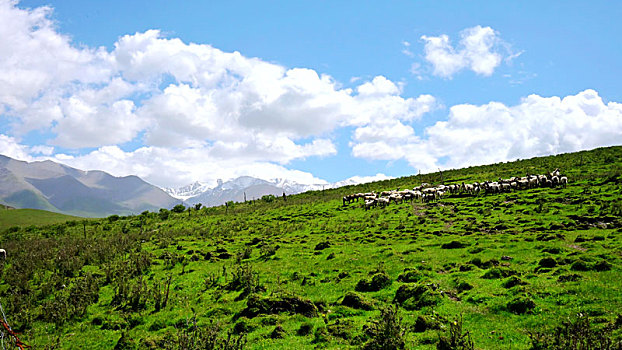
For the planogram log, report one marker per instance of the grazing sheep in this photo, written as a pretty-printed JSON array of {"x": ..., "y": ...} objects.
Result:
[
  {"x": 370, "y": 204},
  {"x": 506, "y": 187},
  {"x": 523, "y": 183},
  {"x": 555, "y": 180},
  {"x": 563, "y": 181},
  {"x": 383, "y": 202},
  {"x": 3, "y": 253},
  {"x": 429, "y": 196},
  {"x": 468, "y": 188},
  {"x": 395, "y": 198}
]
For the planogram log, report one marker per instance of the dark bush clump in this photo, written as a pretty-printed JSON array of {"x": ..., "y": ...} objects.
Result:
[
  {"x": 547, "y": 262},
  {"x": 410, "y": 276},
  {"x": 377, "y": 282},
  {"x": 454, "y": 245},
  {"x": 415, "y": 296},
  {"x": 386, "y": 333},
  {"x": 521, "y": 305},
  {"x": 355, "y": 301},
  {"x": 458, "y": 339},
  {"x": 512, "y": 281},
  {"x": 577, "y": 334}
]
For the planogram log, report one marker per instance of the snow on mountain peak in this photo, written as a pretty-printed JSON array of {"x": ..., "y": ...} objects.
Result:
[{"x": 186, "y": 193}]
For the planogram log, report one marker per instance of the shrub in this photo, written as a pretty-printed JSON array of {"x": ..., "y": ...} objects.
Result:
[
  {"x": 355, "y": 301},
  {"x": 458, "y": 339},
  {"x": 377, "y": 282},
  {"x": 576, "y": 334},
  {"x": 387, "y": 332},
  {"x": 415, "y": 296},
  {"x": 521, "y": 305},
  {"x": 163, "y": 214},
  {"x": 179, "y": 208}
]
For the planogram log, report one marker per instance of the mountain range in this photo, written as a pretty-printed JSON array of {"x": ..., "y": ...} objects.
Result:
[
  {"x": 59, "y": 188},
  {"x": 247, "y": 187}
]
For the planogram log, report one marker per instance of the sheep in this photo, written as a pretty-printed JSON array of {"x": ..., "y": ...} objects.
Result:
[
  {"x": 555, "y": 180},
  {"x": 370, "y": 197},
  {"x": 506, "y": 187},
  {"x": 3, "y": 254},
  {"x": 563, "y": 181},
  {"x": 440, "y": 194},
  {"x": 467, "y": 188},
  {"x": 347, "y": 199},
  {"x": 383, "y": 202},
  {"x": 370, "y": 204},
  {"x": 395, "y": 197},
  {"x": 533, "y": 181}
]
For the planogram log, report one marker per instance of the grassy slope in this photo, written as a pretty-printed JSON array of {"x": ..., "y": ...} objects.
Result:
[
  {"x": 27, "y": 217},
  {"x": 578, "y": 226}
]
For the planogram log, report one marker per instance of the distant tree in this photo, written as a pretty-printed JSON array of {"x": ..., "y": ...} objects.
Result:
[
  {"x": 179, "y": 208},
  {"x": 163, "y": 214},
  {"x": 198, "y": 206},
  {"x": 268, "y": 198}
]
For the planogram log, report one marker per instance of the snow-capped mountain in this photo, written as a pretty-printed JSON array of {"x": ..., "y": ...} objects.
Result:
[
  {"x": 188, "y": 191},
  {"x": 248, "y": 188}
]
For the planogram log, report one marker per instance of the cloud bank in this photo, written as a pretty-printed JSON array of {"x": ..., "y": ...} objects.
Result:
[
  {"x": 494, "y": 132},
  {"x": 191, "y": 107}
]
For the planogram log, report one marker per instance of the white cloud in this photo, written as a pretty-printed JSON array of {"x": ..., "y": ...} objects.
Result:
[
  {"x": 479, "y": 50},
  {"x": 216, "y": 108},
  {"x": 406, "y": 50},
  {"x": 37, "y": 62},
  {"x": 174, "y": 167},
  {"x": 495, "y": 132},
  {"x": 10, "y": 147}
]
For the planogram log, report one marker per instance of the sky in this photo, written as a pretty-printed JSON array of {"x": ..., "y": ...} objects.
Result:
[{"x": 311, "y": 91}]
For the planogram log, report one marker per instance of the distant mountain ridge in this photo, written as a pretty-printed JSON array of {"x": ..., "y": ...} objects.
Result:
[
  {"x": 247, "y": 187},
  {"x": 59, "y": 188}
]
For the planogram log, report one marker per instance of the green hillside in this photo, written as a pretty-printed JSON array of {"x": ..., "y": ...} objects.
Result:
[
  {"x": 27, "y": 217},
  {"x": 532, "y": 268}
]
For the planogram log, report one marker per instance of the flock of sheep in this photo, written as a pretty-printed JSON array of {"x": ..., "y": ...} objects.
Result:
[{"x": 426, "y": 193}]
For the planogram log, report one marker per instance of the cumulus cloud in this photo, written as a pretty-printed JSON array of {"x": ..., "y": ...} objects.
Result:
[
  {"x": 187, "y": 101},
  {"x": 480, "y": 49},
  {"x": 174, "y": 167},
  {"x": 493, "y": 132}
]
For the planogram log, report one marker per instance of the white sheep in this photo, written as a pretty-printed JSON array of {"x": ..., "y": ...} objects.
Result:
[
  {"x": 3, "y": 253},
  {"x": 370, "y": 203},
  {"x": 563, "y": 181},
  {"x": 383, "y": 202}
]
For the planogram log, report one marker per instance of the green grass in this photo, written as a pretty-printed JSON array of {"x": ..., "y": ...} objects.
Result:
[
  {"x": 278, "y": 251},
  {"x": 27, "y": 217}
]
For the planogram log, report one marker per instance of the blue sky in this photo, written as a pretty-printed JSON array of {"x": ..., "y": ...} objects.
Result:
[{"x": 351, "y": 88}]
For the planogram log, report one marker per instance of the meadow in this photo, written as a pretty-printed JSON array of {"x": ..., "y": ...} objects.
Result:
[
  {"x": 26, "y": 217},
  {"x": 532, "y": 269}
]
